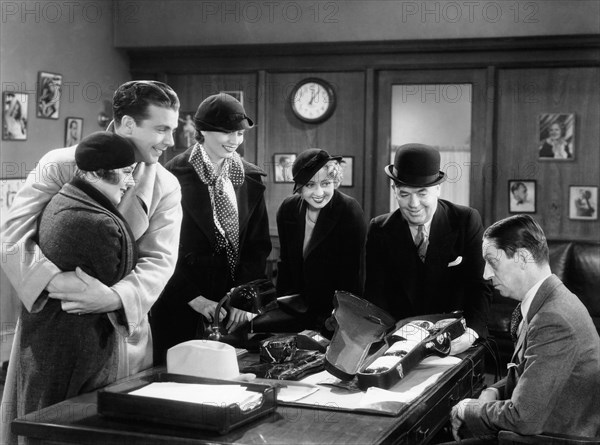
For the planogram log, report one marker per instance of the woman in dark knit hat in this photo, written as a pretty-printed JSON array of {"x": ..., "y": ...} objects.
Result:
[
  {"x": 63, "y": 352},
  {"x": 322, "y": 234},
  {"x": 225, "y": 238}
]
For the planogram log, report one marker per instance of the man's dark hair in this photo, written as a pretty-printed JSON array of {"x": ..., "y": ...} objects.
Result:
[
  {"x": 519, "y": 232},
  {"x": 133, "y": 98}
]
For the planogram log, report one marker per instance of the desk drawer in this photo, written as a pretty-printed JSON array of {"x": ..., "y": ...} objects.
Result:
[{"x": 468, "y": 384}]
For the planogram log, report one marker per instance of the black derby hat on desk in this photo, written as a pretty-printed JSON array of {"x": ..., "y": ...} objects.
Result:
[
  {"x": 416, "y": 165},
  {"x": 222, "y": 112},
  {"x": 104, "y": 151}
]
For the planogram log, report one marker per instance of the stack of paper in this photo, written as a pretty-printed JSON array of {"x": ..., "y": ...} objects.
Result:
[{"x": 216, "y": 395}]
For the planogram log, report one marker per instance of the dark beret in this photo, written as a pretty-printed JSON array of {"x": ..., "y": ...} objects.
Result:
[
  {"x": 222, "y": 112},
  {"x": 308, "y": 163},
  {"x": 104, "y": 150}
]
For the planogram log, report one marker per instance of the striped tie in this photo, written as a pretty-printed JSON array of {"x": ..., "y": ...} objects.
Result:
[{"x": 421, "y": 242}]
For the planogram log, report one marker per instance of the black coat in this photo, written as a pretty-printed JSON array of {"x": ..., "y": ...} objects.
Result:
[
  {"x": 335, "y": 255},
  {"x": 398, "y": 282},
  {"x": 199, "y": 270}
]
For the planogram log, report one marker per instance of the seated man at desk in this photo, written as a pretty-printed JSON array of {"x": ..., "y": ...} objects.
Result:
[
  {"x": 426, "y": 256},
  {"x": 553, "y": 382}
]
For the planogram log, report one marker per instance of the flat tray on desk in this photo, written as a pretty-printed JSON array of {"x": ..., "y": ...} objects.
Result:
[{"x": 115, "y": 401}]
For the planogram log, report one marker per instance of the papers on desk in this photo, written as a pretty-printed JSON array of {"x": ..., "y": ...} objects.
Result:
[
  {"x": 332, "y": 395},
  {"x": 205, "y": 394}
]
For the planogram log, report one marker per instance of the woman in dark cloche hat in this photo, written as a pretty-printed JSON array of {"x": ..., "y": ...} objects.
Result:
[
  {"x": 322, "y": 232},
  {"x": 60, "y": 351},
  {"x": 225, "y": 237}
]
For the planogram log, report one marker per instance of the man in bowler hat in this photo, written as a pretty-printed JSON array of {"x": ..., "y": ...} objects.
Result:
[{"x": 425, "y": 257}]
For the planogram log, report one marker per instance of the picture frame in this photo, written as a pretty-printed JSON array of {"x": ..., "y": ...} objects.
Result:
[
  {"x": 282, "y": 167},
  {"x": 347, "y": 163},
  {"x": 556, "y": 137},
  {"x": 522, "y": 195},
  {"x": 8, "y": 189},
  {"x": 185, "y": 133},
  {"x": 48, "y": 95},
  {"x": 15, "y": 112},
  {"x": 73, "y": 131},
  {"x": 583, "y": 202},
  {"x": 239, "y": 95}
]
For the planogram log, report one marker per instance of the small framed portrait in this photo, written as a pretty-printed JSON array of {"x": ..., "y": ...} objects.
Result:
[
  {"x": 556, "y": 137},
  {"x": 521, "y": 196},
  {"x": 8, "y": 189},
  {"x": 347, "y": 163},
  {"x": 282, "y": 164},
  {"x": 239, "y": 95},
  {"x": 185, "y": 133},
  {"x": 583, "y": 202},
  {"x": 73, "y": 131},
  {"x": 48, "y": 95},
  {"x": 14, "y": 116}
]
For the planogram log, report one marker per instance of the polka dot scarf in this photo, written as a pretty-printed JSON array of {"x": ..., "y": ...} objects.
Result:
[{"x": 222, "y": 197}]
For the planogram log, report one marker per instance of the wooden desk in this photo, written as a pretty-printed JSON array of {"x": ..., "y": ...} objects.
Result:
[{"x": 77, "y": 421}]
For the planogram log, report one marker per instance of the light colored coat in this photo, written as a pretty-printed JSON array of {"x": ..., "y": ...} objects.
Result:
[{"x": 554, "y": 386}]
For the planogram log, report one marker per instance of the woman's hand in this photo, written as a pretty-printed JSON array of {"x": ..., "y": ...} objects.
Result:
[
  {"x": 206, "y": 307},
  {"x": 237, "y": 318}
]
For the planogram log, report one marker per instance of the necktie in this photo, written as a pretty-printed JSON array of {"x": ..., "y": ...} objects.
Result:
[
  {"x": 421, "y": 242},
  {"x": 515, "y": 321}
]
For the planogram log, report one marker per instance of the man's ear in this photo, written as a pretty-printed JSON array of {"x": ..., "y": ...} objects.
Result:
[
  {"x": 525, "y": 257},
  {"x": 127, "y": 124}
]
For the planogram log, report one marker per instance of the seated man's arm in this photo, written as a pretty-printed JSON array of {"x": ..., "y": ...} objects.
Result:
[
  {"x": 549, "y": 362},
  {"x": 158, "y": 249},
  {"x": 28, "y": 270}
]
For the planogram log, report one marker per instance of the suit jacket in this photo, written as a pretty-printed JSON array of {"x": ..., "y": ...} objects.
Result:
[
  {"x": 334, "y": 257},
  {"x": 398, "y": 282},
  {"x": 554, "y": 386},
  {"x": 153, "y": 211},
  {"x": 199, "y": 270}
]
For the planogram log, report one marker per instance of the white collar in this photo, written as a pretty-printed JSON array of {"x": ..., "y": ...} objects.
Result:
[{"x": 526, "y": 303}]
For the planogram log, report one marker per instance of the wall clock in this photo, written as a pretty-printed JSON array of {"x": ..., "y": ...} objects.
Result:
[{"x": 313, "y": 100}]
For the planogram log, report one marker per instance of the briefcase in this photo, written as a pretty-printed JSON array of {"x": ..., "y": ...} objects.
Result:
[{"x": 369, "y": 345}]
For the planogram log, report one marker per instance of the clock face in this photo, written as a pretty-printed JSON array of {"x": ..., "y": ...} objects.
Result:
[{"x": 313, "y": 100}]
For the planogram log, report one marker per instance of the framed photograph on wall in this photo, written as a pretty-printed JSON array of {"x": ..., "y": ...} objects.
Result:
[
  {"x": 185, "y": 133},
  {"x": 583, "y": 202},
  {"x": 282, "y": 164},
  {"x": 48, "y": 95},
  {"x": 348, "y": 171},
  {"x": 14, "y": 116},
  {"x": 8, "y": 190},
  {"x": 73, "y": 131},
  {"x": 521, "y": 196},
  {"x": 557, "y": 137},
  {"x": 239, "y": 95}
]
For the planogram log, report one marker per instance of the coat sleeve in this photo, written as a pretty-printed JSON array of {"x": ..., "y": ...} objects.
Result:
[
  {"x": 477, "y": 290},
  {"x": 352, "y": 249},
  {"x": 550, "y": 358},
  {"x": 284, "y": 277},
  {"x": 28, "y": 270},
  {"x": 257, "y": 245},
  {"x": 375, "y": 273},
  {"x": 158, "y": 249}
]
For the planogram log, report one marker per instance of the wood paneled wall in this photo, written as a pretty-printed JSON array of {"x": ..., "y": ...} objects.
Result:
[
  {"x": 522, "y": 96},
  {"x": 342, "y": 134},
  {"x": 523, "y": 78}
]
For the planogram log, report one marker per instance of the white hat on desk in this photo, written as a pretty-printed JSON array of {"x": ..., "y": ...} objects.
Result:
[{"x": 203, "y": 358}]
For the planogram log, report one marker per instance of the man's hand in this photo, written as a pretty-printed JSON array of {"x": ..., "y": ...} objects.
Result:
[
  {"x": 488, "y": 395},
  {"x": 457, "y": 417},
  {"x": 81, "y": 293}
]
